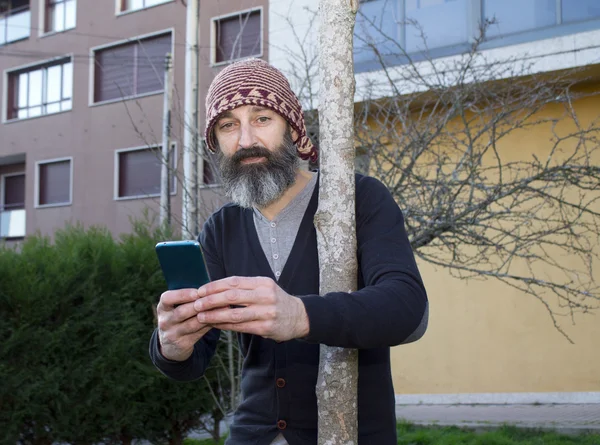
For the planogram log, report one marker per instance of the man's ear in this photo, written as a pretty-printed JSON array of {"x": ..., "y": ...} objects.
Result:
[{"x": 294, "y": 134}]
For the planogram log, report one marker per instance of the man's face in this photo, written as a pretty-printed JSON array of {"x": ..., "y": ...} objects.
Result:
[{"x": 257, "y": 155}]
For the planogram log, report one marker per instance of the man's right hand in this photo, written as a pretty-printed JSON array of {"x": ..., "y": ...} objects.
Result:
[{"x": 178, "y": 325}]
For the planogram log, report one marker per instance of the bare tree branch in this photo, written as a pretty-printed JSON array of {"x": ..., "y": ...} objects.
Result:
[{"x": 491, "y": 162}]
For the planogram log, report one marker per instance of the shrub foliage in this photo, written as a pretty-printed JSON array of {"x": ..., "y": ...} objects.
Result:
[{"x": 76, "y": 315}]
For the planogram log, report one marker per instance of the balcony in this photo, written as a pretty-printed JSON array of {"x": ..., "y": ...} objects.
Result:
[
  {"x": 12, "y": 222},
  {"x": 15, "y": 24}
]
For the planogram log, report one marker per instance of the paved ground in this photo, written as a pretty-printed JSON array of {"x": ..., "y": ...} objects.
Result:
[
  {"x": 563, "y": 418},
  {"x": 568, "y": 418}
]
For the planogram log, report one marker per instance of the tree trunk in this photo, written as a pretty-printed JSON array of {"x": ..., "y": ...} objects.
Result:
[
  {"x": 217, "y": 416},
  {"x": 232, "y": 379},
  {"x": 177, "y": 436},
  {"x": 335, "y": 219}
]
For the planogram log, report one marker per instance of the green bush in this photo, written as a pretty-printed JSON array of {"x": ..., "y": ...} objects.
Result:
[{"x": 76, "y": 317}]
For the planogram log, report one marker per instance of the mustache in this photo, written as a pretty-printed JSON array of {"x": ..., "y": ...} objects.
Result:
[{"x": 255, "y": 151}]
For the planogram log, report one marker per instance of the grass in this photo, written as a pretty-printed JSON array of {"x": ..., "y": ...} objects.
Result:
[
  {"x": 409, "y": 434},
  {"x": 201, "y": 442}
]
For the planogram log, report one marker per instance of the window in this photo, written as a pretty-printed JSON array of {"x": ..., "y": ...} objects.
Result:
[
  {"x": 536, "y": 14},
  {"x": 15, "y": 20},
  {"x": 134, "y": 5},
  {"x": 13, "y": 193},
  {"x": 390, "y": 25},
  {"x": 434, "y": 16},
  {"x": 237, "y": 36},
  {"x": 139, "y": 171},
  {"x": 394, "y": 26},
  {"x": 54, "y": 183},
  {"x": 377, "y": 25},
  {"x": 579, "y": 10},
  {"x": 131, "y": 69},
  {"x": 43, "y": 89},
  {"x": 532, "y": 14},
  {"x": 60, "y": 15},
  {"x": 12, "y": 205}
]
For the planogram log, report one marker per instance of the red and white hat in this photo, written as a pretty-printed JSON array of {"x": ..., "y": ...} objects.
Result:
[{"x": 256, "y": 82}]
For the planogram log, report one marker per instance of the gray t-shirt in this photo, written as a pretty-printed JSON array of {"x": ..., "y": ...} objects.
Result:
[{"x": 277, "y": 236}]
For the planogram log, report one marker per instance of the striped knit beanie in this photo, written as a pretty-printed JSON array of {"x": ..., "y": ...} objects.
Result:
[{"x": 255, "y": 82}]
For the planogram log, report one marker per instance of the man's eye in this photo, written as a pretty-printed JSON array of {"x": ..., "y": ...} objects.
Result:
[
  {"x": 264, "y": 119},
  {"x": 225, "y": 125}
]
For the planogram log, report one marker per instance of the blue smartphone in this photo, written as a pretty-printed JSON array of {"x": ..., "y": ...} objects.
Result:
[{"x": 182, "y": 263}]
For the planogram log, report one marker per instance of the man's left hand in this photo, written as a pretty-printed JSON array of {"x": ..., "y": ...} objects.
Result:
[{"x": 267, "y": 310}]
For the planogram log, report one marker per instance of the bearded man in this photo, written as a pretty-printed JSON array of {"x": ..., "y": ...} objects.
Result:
[{"x": 261, "y": 253}]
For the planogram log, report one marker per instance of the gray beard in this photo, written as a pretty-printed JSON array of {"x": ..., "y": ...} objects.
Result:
[{"x": 258, "y": 185}]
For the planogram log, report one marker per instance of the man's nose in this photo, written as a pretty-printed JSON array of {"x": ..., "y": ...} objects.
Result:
[{"x": 247, "y": 136}]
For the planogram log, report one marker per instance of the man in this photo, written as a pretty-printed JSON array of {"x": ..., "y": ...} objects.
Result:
[{"x": 261, "y": 252}]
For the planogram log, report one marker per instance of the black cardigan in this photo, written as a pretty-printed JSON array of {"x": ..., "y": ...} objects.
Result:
[{"x": 278, "y": 379}]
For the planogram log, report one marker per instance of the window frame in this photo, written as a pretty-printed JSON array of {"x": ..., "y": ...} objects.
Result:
[
  {"x": 9, "y": 12},
  {"x": 136, "y": 39},
  {"x": 36, "y": 202},
  {"x": 475, "y": 13},
  {"x": 117, "y": 171},
  {"x": 3, "y": 188},
  {"x": 120, "y": 11},
  {"x": 7, "y": 94},
  {"x": 213, "y": 35},
  {"x": 43, "y": 19}
]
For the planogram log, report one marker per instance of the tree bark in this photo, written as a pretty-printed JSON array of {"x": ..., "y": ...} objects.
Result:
[{"x": 335, "y": 219}]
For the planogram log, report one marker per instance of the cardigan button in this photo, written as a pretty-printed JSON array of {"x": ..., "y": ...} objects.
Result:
[
  {"x": 280, "y": 383},
  {"x": 282, "y": 424}
]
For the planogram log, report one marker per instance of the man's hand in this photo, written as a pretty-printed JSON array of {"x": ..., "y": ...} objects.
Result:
[
  {"x": 178, "y": 326},
  {"x": 267, "y": 310}
]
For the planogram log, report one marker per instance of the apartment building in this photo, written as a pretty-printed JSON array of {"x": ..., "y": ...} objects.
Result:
[
  {"x": 487, "y": 342},
  {"x": 82, "y": 105}
]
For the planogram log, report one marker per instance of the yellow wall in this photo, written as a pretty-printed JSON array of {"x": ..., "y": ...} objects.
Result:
[{"x": 486, "y": 337}]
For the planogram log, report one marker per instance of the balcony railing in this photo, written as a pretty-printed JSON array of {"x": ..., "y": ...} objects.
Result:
[
  {"x": 15, "y": 25},
  {"x": 12, "y": 222}
]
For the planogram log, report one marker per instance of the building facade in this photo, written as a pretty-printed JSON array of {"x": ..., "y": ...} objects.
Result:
[
  {"x": 81, "y": 128},
  {"x": 82, "y": 105},
  {"x": 486, "y": 342}
]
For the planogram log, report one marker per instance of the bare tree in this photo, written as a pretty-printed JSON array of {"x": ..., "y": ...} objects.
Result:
[
  {"x": 446, "y": 136},
  {"x": 473, "y": 205},
  {"x": 223, "y": 382}
]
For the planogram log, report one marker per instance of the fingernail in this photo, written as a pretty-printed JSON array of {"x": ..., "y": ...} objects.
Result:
[
  {"x": 198, "y": 305},
  {"x": 202, "y": 291},
  {"x": 201, "y": 317}
]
